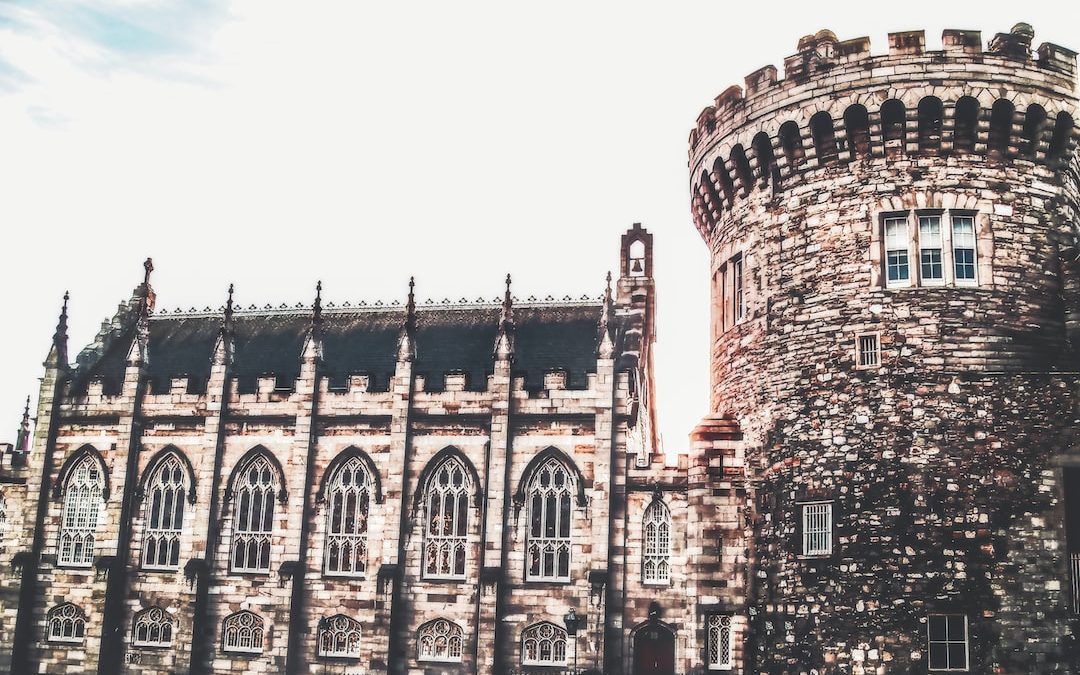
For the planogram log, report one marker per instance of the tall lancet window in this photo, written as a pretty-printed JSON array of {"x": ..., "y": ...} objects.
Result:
[
  {"x": 447, "y": 520},
  {"x": 550, "y": 495},
  {"x": 164, "y": 515},
  {"x": 348, "y": 497},
  {"x": 255, "y": 491},
  {"x": 82, "y": 511},
  {"x": 656, "y": 561}
]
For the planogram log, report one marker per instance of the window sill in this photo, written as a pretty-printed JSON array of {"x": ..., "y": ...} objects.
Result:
[
  {"x": 241, "y": 654},
  {"x": 540, "y": 583},
  {"x": 815, "y": 556},
  {"x": 444, "y": 580}
]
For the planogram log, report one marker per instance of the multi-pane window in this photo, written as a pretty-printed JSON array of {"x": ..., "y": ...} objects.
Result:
[
  {"x": 550, "y": 493},
  {"x": 65, "y": 623},
  {"x": 164, "y": 515},
  {"x": 242, "y": 632},
  {"x": 339, "y": 636},
  {"x": 440, "y": 640},
  {"x": 543, "y": 644},
  {"x": 931, "y": 268},
  {"x": 447, "y": 519},
  {"x": 152, "y": 627},
  {"x": 817, "y": 528},
  {"x": 897, "y": 270},
  {"x": 963, "y": 244},
  {"x": 254, "y": 496},
  {"x": 82, "y": 508},
  {"x": 720, "y": 643},
  {"x": 349, "y": 500},
  {"x": 947, "y": 642},
  {"x": 867, "y": 351},
  {"x": 946, "y": 246},
  {"x": 656, "y": 560}
]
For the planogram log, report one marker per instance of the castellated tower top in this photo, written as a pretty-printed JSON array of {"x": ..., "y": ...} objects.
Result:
[{"x": 837, "y": 102}]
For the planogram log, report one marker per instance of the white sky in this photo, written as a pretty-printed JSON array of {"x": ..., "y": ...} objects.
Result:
[{"x": 273, "y": 144}]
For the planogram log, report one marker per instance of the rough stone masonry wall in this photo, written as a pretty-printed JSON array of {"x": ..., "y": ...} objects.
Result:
[{"x": 941, "y": 462}]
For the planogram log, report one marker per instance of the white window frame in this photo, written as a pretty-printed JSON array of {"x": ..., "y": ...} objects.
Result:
[
  {"x": 60, "y": 615},
  {"x": 738, "y": 289},
  {"x": 720, "y": 642},
  {"x": 428, "y": 642},
  {"x": 81, "y": 515},
  {"x": 447, "y": 533},
  {"x": 541, "y": 633},
  {"x": 945, "y": 644},
  {"x": 167, "y": 485},
  {"x": 256, "y": 626},
  {"x": 861, "y": 351},
  {"x": 542, "y": 542},
  {"x": 656, "y": 540},
  {"x": 893, "y": 243},
  {"x": 247, "y": 534},
  {"x": 153, "y": 617},
  {"x": 817, "y": 540},
  {"x": 955, "y": 216},
  {"x": 926, "y": 243},
  {"x": 351, "y": 480},
  {"x": 337, "y": 626}
]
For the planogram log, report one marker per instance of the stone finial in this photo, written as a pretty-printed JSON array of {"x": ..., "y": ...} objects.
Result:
[
  {"x": 606, "y": 344},
  {"x": 22, "y": 442},
  {"x": 223, "y": 346},
  {"x": 407, "y": 341},
  {"x": 58, "y": 354},
  {"x": 316, "y": 307},
  {"x": 229, "y": 309},
  {"x": 148, "y": 266},
  {"x": 504, "y": 341},
  {"x": 313, "y": 343}
]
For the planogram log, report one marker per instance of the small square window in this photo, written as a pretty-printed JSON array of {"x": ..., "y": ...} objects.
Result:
[
  {"x": 947, "y": 642},
  {"x": 867, "y": 351}
]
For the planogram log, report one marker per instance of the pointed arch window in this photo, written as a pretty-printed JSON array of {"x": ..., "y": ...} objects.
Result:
[
  {"x": 82, "y": 511},
  {"x": 543, "y": 644},
  {"x": 164, "y": 515},
  {"x": 255, "y": 489},
  {"x": 65, "y": 623},
  {"x": 447, "y": 520},
  {"x": 349, "y": 499},
  {"x": 440, "y": 640},
  {"x": 243, "y": 632},
  {"x": 720, "y": 643},
  {"x": 550, "y": 495},
  {"x": 656, "y": 529},
  {"x": 339, "y": 636},
  {"x": 153, "y": 627}
]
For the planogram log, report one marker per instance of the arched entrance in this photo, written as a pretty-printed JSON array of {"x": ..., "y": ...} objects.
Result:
[{"x": 654, "y": 650}]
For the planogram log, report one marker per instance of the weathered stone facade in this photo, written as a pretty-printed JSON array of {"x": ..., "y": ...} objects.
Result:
[{"x": 894, "y": 246}]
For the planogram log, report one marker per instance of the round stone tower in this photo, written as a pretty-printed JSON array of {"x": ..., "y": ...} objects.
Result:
[{"x": 896, "y": 330}]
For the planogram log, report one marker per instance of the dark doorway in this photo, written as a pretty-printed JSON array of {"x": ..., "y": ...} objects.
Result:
[{"x": 654, "y": 650}]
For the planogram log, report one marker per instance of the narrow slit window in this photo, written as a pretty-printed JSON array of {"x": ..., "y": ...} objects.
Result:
[
  {"x": 931, "y": 267},
  {"x": 738, "y": 296},
  {"x": 963, "y": 242},
  {"x": 897, "y": 269}
]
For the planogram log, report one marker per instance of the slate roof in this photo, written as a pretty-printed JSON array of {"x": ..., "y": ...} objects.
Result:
[{"x": 450, "y": 339}]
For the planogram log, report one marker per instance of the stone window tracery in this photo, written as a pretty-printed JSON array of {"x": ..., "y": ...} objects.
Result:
[
  {"x": 550, "y": 496},
  {"x": 82, "y": 509},
  {"x": 152, "y": 627},
  {"x": 656, "y": 559},
  {"x": 440, "y": 640},
  {"x": 349, "y": 503},
  {"x": 254, "y": 497},
  {"x": 164, "y": 515},
  {"x": 720, "y": 643},
  {"x": 543, "y": 644},
  {"x": 339, "y": 636},
  {"x": 447, "y": 520},
  {"x": 65, "y": 623},
  {"x": 243, "y": 632}
]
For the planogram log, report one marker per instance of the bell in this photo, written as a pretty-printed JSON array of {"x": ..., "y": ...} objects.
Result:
[{"x": 636, "y": 268}]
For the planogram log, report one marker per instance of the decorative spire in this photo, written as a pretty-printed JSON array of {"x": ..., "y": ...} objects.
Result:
[
  {"x": 223, "y": 346},
  {"x": 313, "y": 343},
  {"x": 137, "y": 354},
  {"x": 504, "y": 340},
  {"x": 227, "y": 324},
  {"x": 316, "y": 309},
  {"x": 606, "y": 346},
  {"x": 407, "y": 341},
  {"x": 149, "y": 267},
  {"x": 22, "y": 442},
  {"x": 58, "y": 354}
]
